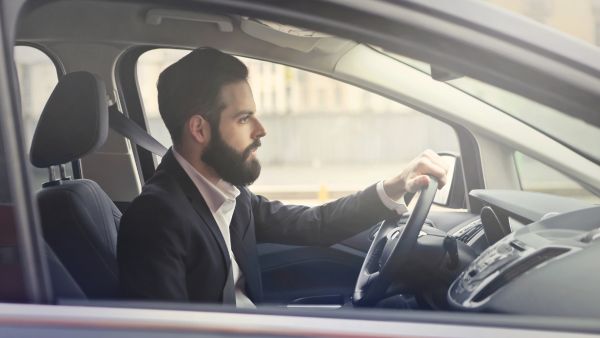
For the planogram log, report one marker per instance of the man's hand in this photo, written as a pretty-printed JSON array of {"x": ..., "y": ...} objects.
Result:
[{"x": 414, "y": 176}]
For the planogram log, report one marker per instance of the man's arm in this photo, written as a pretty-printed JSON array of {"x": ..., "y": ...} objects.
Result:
[
  {"x": 151, "y": 250},
  {"x": 335, "y": 221},
  {"x": 322, "y": 225}
]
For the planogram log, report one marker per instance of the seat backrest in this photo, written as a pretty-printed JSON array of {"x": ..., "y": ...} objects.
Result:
[
  {"x": 80, "y": 224},
  {"x": 79, "y": 221}
]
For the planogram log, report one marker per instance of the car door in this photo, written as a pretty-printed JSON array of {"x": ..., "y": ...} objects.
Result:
[{"x": 112, "y": 321}]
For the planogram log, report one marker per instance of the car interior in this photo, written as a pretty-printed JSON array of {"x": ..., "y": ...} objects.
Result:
[{"x": 488, "y": 246}]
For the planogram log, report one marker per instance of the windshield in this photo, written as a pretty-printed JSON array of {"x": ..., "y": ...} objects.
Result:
[{"x": 576, "y": 134}]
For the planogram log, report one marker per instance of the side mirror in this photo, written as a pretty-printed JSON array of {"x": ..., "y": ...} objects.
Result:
[{"x": 452, "y": 195}]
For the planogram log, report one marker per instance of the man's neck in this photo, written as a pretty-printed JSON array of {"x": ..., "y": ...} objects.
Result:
[{"x": 194, "y": 159}]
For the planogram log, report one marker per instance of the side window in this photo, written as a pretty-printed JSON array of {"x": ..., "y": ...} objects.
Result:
[
  {"x": 536, "y": 176},
  {"x": 37, "y": 78},
  {"x": 325, "y": 138}
]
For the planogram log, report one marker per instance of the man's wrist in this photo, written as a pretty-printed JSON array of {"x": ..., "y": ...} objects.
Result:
[
  {"x": 394, "y": 188},
  {"x": 391, "y": 203}
]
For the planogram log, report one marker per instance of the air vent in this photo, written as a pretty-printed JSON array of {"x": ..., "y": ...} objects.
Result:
[{"x": 518, "y": 269}]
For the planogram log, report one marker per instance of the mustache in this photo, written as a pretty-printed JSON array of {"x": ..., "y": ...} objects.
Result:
[{"x": 251, "y": 147}]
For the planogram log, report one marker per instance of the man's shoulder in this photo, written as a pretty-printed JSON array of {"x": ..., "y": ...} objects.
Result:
[
  {"x": 161, "y": 183},
  {"x": 161, "y": 193},
  {"x": 246, "y": 196}
]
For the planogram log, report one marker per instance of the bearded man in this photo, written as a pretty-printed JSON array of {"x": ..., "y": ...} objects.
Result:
[{"x": 191, "y": 235}]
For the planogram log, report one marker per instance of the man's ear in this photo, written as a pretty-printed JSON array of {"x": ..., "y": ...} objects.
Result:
[{"x": 199, "y": 129}]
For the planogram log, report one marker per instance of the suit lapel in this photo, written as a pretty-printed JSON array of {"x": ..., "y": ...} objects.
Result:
[{"x": 170, "y": 164}]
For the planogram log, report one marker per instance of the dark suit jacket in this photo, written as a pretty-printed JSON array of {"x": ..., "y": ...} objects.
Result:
[{"x": 170, "y": 247}]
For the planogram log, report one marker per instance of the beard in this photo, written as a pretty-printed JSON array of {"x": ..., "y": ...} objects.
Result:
[{"x": 230, "y": 165}]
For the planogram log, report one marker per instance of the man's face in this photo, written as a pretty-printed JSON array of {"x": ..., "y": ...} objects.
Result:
[{"x": 233, "y": 144}]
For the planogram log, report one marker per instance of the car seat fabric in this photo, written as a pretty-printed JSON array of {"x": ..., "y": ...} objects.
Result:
[
  {"x": 80, "y": 224},
  {"x": 79, "y": 221}
]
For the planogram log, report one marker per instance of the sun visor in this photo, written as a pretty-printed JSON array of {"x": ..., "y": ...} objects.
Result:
[{"x": 292, "y": 37}]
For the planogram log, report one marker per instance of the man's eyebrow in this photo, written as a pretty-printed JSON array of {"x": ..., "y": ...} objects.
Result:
[{"x": 243, "y": 112}]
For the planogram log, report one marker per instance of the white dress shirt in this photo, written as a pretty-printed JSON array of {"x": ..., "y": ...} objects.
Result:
[
  {"x": 398, "y": 205},
  {"x": 221, "y": 199}
]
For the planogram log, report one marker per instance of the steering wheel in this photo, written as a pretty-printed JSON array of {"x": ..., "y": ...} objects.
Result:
[{"x": 390, "y": 250}]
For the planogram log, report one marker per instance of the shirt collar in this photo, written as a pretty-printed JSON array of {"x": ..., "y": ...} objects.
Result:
[{"x": 215, "y": 195}]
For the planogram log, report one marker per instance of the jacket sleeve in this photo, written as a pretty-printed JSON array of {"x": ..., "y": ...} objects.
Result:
[
  {"x": 151, "y": 251},
  {"x": 322, "y": 225}
]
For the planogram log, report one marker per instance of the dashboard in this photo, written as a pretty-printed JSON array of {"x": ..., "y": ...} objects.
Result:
[{"x": 547, "y": 267}]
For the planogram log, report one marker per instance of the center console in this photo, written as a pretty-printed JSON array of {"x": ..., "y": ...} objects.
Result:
[{"x": 504, "y": 262}]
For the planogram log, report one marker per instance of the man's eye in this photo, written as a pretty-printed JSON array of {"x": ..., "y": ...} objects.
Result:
[{"x": 245, "y": 119}]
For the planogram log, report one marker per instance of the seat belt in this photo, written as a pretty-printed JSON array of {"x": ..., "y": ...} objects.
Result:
[{"x": 131, "y": 130}]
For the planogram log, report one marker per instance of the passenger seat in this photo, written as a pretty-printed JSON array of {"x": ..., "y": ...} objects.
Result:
[{"x": 79, "y": 221}]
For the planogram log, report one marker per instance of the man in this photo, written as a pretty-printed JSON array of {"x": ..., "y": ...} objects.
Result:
[{"x": 191, "y": 235}]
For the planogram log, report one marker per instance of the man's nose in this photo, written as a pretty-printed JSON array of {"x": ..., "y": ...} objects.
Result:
[{"x": 259, "y": 130}]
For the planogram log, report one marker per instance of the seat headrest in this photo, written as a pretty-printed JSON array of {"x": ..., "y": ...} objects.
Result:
[{"x": 74, "y": 121}]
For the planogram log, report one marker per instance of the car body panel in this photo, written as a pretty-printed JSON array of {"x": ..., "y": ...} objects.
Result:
[{"x": 69, "y": 320}]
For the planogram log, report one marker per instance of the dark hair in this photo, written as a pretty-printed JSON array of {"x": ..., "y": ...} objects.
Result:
[{"x": 193, "y": 85}]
